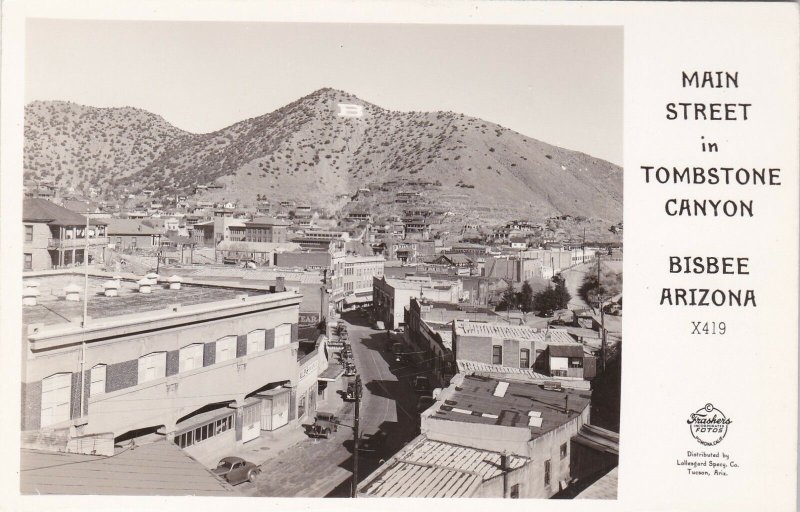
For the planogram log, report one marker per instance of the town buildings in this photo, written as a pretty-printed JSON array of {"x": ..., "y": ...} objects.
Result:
[
  {"x": 540, "y": 436},
  {"x": 55, "y": 237},
  {"x": 207, "y": 366},
  {"x": 391, "y": 297},
  {"x": 551, "y": 351},
  {"x": 132, "y": 235}
]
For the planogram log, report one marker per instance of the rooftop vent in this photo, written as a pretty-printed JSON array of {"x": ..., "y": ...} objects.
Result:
[
  {"x": 501, "y": 389},
  {"x": 72, "y": 292},
  {"x": 144, "y": 285},
  {"x": 111, "y": 288},
  {"x": 29, "y": 293}
]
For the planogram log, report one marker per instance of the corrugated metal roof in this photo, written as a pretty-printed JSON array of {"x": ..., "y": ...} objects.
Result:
[
  {"x": 433, "y": 469},
  {"x": 159, "y": 468},
  {"x": 566, "y": 350},
  {"x": 498, "y": 330}
]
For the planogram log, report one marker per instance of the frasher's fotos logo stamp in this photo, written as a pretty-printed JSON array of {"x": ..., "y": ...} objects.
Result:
[{"x": 708, "y": 425}]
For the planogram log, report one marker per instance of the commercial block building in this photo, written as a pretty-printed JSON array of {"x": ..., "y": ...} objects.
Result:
[
  {"x": 544, "y": 350},
  {"x": 391, "y": 297},
  {"x": 207, "y": 366},
  {"x": 539, "y": 436}
]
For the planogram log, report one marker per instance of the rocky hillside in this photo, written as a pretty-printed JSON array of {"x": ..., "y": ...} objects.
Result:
[
  {"x": 309, "y": 152},
  {"x": 75, "y": 145}
]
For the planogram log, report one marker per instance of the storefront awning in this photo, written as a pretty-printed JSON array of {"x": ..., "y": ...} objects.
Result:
[
  {"x": 331, "y": 373},
  {"x": 356, "y": 300}
]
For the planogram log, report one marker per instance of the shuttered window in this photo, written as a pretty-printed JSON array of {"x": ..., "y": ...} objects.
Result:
[
  {"x": 56, "y": 393},
  {"x": 191, "y": 357},
  {"x": 283, "y": 334},
  {"x": 256, "y": 341},
  {"x": 98, "y": 380},
  {"x": 226, "y": 349},
  {"x": 152, "y": 366}
]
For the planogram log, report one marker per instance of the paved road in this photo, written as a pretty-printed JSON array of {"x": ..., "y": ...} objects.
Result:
[
  {"x": 573, "y": 278},
  {"x": 323, "y": 467}
]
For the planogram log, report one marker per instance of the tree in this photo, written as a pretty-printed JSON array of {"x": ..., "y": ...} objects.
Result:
[
  {"x": 509, "y": 298},
  {"x": 562, "y": 295},
  {"x": 525, "y": 298},
  {"x": 545, "y": 300}
]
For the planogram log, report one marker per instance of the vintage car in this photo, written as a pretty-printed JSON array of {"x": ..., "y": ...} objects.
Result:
[
  {"x": 235, "y": 470},
  {"x": 422, "y": 385},
  {"x": 424, "y": 403},
  {"x": 349, "y": 369},
  {"x": 351, "y": 393},
  {"x": 324, "y": 424},
  {"x": 372, "y": 442}
]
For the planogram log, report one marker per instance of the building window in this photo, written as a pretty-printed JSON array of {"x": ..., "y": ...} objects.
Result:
[
  {"x": 497, "y": 354},
  {"x": 524, "y": 358},
  {"x": 514, "y": 491},
  {"x": 152, "y": 366},
  {"x": 225, "y": 349},
  {"x": 190, "y": 357},
  {"x": 563, "y": 450},
  {"x": 28, "y": 261},
  {"x": 256, "y": 341},
  {"x": 301, "y": 406},
  {"x": 56, "y": 395},
  {"x": 575, "y": 362},
  {"x": 98, "y": 380},
  {"x": 547, "y": 472},
  {"x": 28, "y": 233},
  {"x": 203, "y": 432},
  {"x": 283, "y": 335}
]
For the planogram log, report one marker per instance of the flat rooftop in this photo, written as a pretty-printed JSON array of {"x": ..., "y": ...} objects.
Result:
[
  {"x": 505, "y": 331},
  {"x": 156, "y": 469},
  {"x": 433, "y": 469},
  {"x": 52, "y": 308},
  {"x": 475, "y": 401}
]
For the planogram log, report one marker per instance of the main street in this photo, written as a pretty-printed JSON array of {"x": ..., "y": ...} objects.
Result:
[{"x": 322, "y": 467}]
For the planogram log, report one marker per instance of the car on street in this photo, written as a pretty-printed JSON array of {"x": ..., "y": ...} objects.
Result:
[
  {"x": 235, "y": 470},
  {"x": 324, "y": 424},
  {"x": 424, "y": 403},
  {"x": 349, "y": 369},
  {"x": 422, "y": 385},
  {"x": 372, "y": 443}
]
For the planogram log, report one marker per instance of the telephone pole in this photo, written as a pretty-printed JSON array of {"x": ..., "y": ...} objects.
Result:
[{"x": 353, "y": 489}]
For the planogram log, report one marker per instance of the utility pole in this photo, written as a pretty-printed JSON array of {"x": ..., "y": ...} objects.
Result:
[
  {"x": 504, "y": 468},
  {"x": 85, "y": 311},
  {"x": 602, "y": 320},
  {"x": 353, "y": 489}
]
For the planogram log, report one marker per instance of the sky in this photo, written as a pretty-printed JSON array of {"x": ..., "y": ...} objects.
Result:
[{"x": 560, "y": 84}]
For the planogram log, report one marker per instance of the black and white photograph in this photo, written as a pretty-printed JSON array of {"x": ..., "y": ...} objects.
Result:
[
  {"x": 260, "y": 254},
  {"x": 321, "y": 260}
]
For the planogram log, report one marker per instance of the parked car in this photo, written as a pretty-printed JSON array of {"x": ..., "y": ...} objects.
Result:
[
  {"x": 422, "y": 385},
  {"x": 324, "y": 424},
  {"x": 372, "y": 443},
  {"x": 235, "y": 470},
  {"x": 424, "y": 403},
  {"x": 349, "y": 369},
  {"x": 350, "y": 395}
]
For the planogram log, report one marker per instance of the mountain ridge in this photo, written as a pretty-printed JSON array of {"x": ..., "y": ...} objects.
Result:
[{"x": 306, "y": 149}]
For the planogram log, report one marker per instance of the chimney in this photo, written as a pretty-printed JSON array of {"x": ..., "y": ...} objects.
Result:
[{"x": 280, "y": 284}]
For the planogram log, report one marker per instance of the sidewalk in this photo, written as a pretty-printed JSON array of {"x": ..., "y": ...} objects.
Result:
[{"x": 271, "y": 444}]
